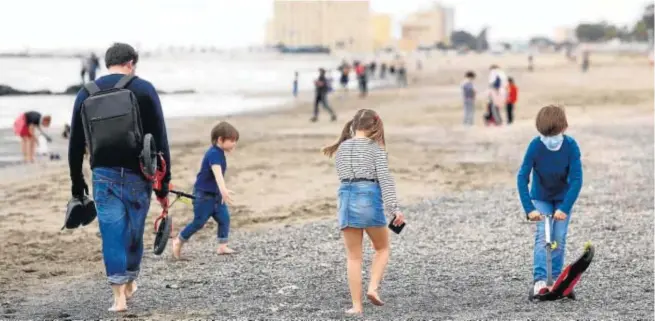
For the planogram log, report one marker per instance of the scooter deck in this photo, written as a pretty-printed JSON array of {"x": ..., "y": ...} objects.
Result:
[{"x": 565, "y": 283}]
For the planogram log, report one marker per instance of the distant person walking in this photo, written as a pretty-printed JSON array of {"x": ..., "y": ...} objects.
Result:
[
  {"x": 383, "y": 70},
  {"x": 362, "y": 78},
  {"x": 295, "y": 84},
  {"x": 25, "y": 127},
  {"x": 344, "y": 69},
  {"x": 371, "y": 69},
  {"x": 585, "y": 61},
  {"x": 321, "y": 87},
  {"x": 89, "y": 66},
  {"x": 468, "y": 93},
  {"x": 402, "y": 73},
  {"x": 512, "y": 96}
]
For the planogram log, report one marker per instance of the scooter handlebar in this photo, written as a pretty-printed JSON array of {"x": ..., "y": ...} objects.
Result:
[{"x": 182, "y": 194}]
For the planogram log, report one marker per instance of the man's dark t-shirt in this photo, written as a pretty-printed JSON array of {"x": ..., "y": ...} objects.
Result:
[{"x": 321, "y": 89}]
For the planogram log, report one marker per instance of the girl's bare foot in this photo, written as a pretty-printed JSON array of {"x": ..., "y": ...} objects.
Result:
[
  {"x": 130, "y": 289},
  {"x": 224, "y": 250},
  {"x": 177, "y": 248},
  {"x": 374, "y": 298},
  {"x": 354, "y": 311}
]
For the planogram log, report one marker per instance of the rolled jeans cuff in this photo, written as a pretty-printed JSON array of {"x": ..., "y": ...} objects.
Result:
[
  {"x": 222, "y": 240},
  {"x": 118, "y": 279},
  {"x": 181, "y": 237},
  {"x": 132, "y": 275}
]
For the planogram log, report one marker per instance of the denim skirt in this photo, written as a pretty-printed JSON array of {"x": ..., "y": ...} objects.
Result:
[{"x": 360, "y": 205}]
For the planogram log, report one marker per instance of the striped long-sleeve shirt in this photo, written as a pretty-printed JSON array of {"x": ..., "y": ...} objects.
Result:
[{"x": 363, "y": 158}]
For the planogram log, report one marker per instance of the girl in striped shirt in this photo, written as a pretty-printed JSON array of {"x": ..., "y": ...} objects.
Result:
[{"x": 367, "y": 190}]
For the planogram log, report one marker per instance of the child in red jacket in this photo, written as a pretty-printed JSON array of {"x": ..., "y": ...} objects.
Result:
[{"x": 512, "y": 95}]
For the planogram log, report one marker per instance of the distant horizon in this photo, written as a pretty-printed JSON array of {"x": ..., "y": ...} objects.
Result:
[{"x": 235, "y": 25}]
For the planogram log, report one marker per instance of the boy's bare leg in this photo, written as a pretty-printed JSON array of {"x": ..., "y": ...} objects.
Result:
[{"x": 177, "y": 247}]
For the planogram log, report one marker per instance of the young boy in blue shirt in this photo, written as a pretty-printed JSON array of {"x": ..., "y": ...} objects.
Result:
[
  {"x": 554, "y": 160},
  {"x": 211, "y": 194}
]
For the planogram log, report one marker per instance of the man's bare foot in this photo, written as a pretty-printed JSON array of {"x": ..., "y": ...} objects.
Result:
[
  {"x": 118, "y": 308},
  {"x": 374, "y": 298},
  {"x": 120, "y": 302},
  {"x": 224, "y": 250},
  {"x": 130, "y": 289},
  {"x": 177, "y": 248},
  {"x": 354, "y": 311}
]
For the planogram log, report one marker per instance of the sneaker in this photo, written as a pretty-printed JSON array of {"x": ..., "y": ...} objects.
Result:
[{"x": 538, "y": 286}]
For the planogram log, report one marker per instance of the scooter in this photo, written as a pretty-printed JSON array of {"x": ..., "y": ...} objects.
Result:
[
  {"x": 155, "y": 174},
  {"x": 563, "y": 286}
]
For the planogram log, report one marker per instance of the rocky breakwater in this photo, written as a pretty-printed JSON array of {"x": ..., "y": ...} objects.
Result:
[{"x": 71, "y": 90}]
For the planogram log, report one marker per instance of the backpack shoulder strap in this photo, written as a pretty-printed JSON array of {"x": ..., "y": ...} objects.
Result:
[
  {"x": 124, "y": 81},
  {"x": 91, "y": 87}
]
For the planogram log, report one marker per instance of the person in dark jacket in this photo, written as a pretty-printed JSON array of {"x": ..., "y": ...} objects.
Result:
[
  {"x": 322, "y": 88},
  {"x": 120, "y": 190}
]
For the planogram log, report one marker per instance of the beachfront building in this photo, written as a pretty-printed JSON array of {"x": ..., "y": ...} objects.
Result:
[
  {"x": 427, "y": 27},
  {"x": 337, "y": 25},
  {"x": 381, "y": 28}
]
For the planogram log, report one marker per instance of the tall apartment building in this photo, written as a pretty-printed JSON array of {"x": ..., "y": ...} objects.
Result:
[
  {"x": 428, "y": 27},
  {"x": 340, "y": 25}
]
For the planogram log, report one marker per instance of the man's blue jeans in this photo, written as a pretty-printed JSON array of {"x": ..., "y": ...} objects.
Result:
[
  {"x": 558, "y": 234},
  {"x": 205, "y": 206},
  {"x": 122, "y": 200}
]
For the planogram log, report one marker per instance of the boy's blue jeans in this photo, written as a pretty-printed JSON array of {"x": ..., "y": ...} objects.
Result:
[
  {"x": 122, "y": 200},
  {"x": 208, "y": 205},
  {"x": 558, "y": 234}
]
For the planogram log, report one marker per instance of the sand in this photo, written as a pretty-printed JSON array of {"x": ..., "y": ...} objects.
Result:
[{"x": 285, "y": 193}]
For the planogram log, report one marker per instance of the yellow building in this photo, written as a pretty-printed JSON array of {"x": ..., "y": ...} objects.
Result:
[
  {"x": 428, "y": 27},
  {"x": 381, "y": 29},
  {"x": 270, "y": 33},
  {"x": 340, "y": 25}
]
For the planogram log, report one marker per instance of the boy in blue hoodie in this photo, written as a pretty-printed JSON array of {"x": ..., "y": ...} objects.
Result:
[{"x": 554, "y": 160}]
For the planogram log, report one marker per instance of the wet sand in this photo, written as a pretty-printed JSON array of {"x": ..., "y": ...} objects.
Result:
[{"x": 280, "y": 178}]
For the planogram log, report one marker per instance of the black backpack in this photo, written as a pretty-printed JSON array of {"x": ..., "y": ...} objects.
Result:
[{"x": 112, "y": 122}]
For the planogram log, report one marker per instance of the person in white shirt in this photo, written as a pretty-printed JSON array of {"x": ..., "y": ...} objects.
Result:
[{"x": 497, "y": 95}]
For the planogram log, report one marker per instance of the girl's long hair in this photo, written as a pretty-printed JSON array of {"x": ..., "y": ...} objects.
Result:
[{"x": 365, "y": 119}]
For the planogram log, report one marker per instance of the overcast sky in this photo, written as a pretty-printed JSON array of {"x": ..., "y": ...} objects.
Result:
[{"x": 237, "y": 23}]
